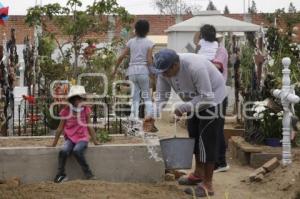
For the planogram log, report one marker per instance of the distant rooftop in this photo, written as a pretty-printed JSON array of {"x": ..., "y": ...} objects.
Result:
[{"x": 208, "y": 13}]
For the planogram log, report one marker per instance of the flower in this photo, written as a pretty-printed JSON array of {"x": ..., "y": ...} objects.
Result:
[
  {"x": 271, "y": 62},
  {"x": 260, "y": 109},
  {"x": 261, "y": 115},
  {"x": 104, "y": 56},
  {"x": 298, "y": 125},
  {"x": 279, "y": 114},
  {"x": 272, "y": 114}
]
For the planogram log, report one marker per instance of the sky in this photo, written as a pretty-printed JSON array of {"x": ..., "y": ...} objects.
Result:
[{"x": 19, "y": 7}]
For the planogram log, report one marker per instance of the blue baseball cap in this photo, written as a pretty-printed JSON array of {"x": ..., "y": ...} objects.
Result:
[{"x": 164, "y": 59}]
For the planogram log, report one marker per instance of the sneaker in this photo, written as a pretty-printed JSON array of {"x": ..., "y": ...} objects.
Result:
[
  {"x": 60, "y": 178},
  {"x": 90, "y": 176},
  {"x": 222, "y": 168}
]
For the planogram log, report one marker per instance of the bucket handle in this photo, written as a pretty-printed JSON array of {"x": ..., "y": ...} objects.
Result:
[{"x": 175, "y": 126}]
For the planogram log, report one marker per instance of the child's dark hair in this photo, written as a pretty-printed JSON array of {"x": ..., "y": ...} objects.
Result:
[
  {"x": 142, "y": 28},
  {"x": 74, "y": 98},
  {"x": 208, "y": 33}
]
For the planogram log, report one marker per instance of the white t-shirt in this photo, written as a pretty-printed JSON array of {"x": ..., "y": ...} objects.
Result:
[
  {"x": 139, "y": 47},
  {"x": 208, "y": 49}
]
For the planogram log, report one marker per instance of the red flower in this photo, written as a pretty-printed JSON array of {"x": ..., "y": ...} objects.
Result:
[
  {"x": 3, "y": 15},
  {"x": 29, "y": 98}
]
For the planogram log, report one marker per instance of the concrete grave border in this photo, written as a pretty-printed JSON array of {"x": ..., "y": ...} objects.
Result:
[{"x": 112, "y": 162}]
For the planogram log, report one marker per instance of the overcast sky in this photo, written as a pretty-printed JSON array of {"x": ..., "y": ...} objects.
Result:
[{"x": 18, "y": 7}]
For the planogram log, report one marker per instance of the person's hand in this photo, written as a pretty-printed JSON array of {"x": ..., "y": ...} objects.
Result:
[
  {"x": 51, "y": 145},
  {"x": 178, "y": 114}
]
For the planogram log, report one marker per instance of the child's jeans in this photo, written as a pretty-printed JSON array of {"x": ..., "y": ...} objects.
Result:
[
  {"x": 78, "y": 151},
  {"x": 141, "y": 89}
]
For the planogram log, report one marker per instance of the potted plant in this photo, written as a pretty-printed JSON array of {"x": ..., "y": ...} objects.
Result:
[{"x": 270, "y": 124}]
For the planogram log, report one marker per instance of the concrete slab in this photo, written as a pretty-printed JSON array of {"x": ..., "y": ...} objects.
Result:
[{"x": 115, "y": 163}]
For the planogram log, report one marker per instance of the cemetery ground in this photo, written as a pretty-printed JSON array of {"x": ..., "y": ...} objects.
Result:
[{"x": 282, "y": 183}]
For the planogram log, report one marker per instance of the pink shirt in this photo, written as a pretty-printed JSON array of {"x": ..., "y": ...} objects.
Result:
[
  {"x": 222, "y": 59},
  {"x": 75, "y": 127}
]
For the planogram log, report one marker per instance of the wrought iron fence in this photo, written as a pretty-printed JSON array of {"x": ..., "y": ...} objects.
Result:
[{"x": 31, "y": 116}]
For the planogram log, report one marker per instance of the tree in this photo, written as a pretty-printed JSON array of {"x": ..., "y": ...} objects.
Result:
[
  {"x": 74, "y": 22},
  {"x": 226, "y": 10},
  {"x": 176, "y": 7},
  {"x": 292, "y": 8},
  {"x": 253, "y": 8},
  {"x": 211, "y": 6}
]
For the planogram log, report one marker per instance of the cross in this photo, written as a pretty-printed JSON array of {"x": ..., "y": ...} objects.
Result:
[{"x": 287, "y": 99}]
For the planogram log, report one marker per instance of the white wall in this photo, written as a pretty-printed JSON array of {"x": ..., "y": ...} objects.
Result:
[{"x": 179, "y": 40}]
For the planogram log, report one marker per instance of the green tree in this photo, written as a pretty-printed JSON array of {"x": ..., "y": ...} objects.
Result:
[
  {"x": 292, "y": 8},
  {"x": 176, "y": 7},
  {"x": 226, "y": 10},
  {"x": 74, "y": 22},
  {"x": 211, "y": 6},
  {"x": 253, "y": 8}
]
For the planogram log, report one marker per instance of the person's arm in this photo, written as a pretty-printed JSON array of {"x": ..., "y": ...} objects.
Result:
[
  {"x": 149, "y": 56},
  {"x": 58, "y": 132},
  {"x": 90, "y": 128},
  {"x": 196, "y": 41},
  {"x": 196, "y": 38},
  {"x": 221, "y": 59},
  {"x": 92, "y": 133},
  {"x": 163, "y": 91},
  {"x": 120, "y": 59}
]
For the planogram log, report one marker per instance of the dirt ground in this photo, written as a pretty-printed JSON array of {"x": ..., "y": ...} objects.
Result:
[
  {"x": 282, "y": 183},
  {"x": 92, "y": 190}
]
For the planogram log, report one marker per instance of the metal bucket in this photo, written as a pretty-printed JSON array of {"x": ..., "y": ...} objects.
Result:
[{"x": 177, "y": 152}]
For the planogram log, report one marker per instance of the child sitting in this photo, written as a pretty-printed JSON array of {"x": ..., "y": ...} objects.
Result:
[
  {"x": 208, "y": 42},
  {"x": 74, "y": 124}
]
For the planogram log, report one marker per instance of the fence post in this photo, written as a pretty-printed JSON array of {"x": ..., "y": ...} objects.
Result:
[
  {"x": 19, "y": 114},
  {"x": 25, "y": 117},
  {"x": 31, "y": 119}
]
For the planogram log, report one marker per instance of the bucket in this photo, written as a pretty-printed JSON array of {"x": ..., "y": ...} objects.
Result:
[{"x": 177, "y": 152}]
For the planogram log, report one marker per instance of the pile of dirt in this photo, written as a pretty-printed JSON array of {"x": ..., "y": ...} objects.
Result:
[
  {"x": 92, "y": 189},
  {"x": 283, "y": 182},
  {"x": 296, "y": 189}
]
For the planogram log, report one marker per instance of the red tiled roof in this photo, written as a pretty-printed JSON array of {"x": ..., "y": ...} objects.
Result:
[{"x": 158, "y": 24}]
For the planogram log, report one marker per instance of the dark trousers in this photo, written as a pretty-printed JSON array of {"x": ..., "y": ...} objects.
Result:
[
  {"x": 222, "y": 144},
  {"x": 205, "y": 128},
  {"x": 78, "y": 150}
]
